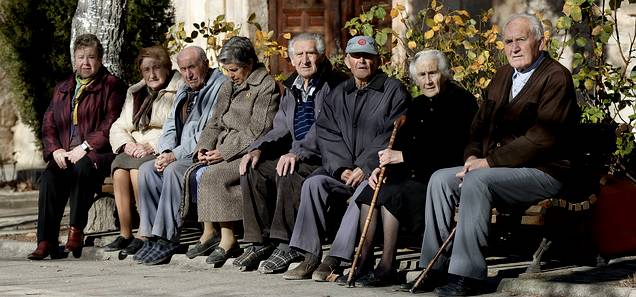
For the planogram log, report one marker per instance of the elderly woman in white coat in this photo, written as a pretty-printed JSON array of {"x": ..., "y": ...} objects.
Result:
[{"x": 135, "y": 134}]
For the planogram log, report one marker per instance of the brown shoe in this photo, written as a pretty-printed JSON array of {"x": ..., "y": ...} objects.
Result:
[
  {"x": 44, "y": 250},
  {"x": 302, "y": 271},
  {"x": 75, "y": 241},
  {"x": 328, "y": 266}
]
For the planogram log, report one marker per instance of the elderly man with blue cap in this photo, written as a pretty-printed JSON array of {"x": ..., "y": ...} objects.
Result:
[{"x": 355, "y": 123}]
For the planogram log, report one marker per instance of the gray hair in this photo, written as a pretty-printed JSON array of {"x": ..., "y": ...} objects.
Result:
[
  {"x": 89, "y": 40},
  {"x": 535, "y": 25},
  {"x": 240, "y": 51},
  {"x": 442, "y": 62},
  {"x": 320, "y": 42}
]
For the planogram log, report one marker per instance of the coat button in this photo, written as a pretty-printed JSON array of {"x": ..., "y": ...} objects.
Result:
[
  {"x": 498, "y": 144},
  {"x": 413, "y": 137}
]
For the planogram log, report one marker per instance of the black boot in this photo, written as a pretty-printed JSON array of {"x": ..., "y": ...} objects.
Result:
[{"x": 460, "y": 286}]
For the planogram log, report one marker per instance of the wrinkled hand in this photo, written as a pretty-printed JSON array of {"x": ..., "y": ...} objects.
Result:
[
  {"x": 345, "y": 175},
  {"x": 251, "y": 157},
  {"x": 59, "y": 156},
  {"x": 201, "y": 157},
  {"x": 389, "y": 156},
  {"x": 76, "y": 154},
  {"x": 142, "y": 150},
  {"x": 138, "y": 150},
  {"x": 356, "y": 177},
  {"x": 373, "y": 179},
  {"x": 163, "y": 160},
  {"x": 472, "y": 163},
  {"x": 286, "y": 164},
  {"x": 213, "y": 157}
]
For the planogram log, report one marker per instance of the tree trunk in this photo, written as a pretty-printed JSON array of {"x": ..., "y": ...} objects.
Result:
[{"x": 105, "y": 19}]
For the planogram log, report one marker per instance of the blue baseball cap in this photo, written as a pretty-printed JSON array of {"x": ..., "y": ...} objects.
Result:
[{"x": 361, "y": 44}]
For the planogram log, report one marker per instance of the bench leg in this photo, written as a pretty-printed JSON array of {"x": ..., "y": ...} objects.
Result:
[{"x": 535, "y": 266}]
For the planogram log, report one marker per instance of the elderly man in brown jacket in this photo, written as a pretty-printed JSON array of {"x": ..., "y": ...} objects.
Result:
[{"x": 518, "y": 154}]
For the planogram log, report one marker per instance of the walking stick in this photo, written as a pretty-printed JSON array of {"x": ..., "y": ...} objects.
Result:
[
  {"x": 396, "y": 126},
  {"x": 422, "y": 274}
]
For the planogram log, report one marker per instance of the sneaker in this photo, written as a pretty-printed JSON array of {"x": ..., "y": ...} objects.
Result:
[
  {"x": 328, "y": 266},
  {"x": 203, "y": 248},
  {"x": 119, "y": 243},
  {"x": 279, "y": 261},
  {"x": 252, "y": 256}
]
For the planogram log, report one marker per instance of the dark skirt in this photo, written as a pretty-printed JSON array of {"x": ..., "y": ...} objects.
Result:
[
  {"x": 405, "y": 200},
  {"x": 125, "y": 161}
]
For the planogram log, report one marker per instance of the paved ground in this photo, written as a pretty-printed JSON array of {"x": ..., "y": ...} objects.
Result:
[{"x": 102, "y": 274}]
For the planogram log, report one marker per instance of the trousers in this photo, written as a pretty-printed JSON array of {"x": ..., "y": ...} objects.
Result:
[
  {"x": 160, "y": 198},
  {"x": 270, "y": 201},
  {"x": 77, "y": 184},
  {"x": 480, "y": 190}
]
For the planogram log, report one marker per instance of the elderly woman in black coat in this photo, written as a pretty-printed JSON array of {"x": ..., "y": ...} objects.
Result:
[{"x": 434, "y": 136}]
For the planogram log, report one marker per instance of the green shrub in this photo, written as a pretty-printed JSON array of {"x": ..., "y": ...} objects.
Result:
[{"x": 34, "y": 43}]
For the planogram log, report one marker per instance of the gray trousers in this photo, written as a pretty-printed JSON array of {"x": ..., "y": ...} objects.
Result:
[
  {"x": 318, "y": 193},
  {"x": 480, "y": 190},
  {"x": 160, "y": 198},
  {"x": 344, "y": 243}
]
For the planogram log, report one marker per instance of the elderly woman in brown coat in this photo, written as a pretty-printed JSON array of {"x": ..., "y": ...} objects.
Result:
[
  {"x": 134, "y": 135},
  {"x": 245, "y": 109}
]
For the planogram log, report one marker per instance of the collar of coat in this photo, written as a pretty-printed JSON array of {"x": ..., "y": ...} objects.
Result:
[
  {"x": 326, "y": 73},
  {"x": 96, "y": 86},
  {"x": 255, "y": 78},
  {"x": 376, "y": 83},
  {"x": 172, "y": 87}
]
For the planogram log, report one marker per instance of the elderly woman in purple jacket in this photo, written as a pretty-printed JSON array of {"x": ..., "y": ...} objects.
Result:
[{"x": 76, "y": 147}]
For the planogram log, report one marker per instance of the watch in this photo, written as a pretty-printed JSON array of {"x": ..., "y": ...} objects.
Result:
[{"x": 85, "y": 146}]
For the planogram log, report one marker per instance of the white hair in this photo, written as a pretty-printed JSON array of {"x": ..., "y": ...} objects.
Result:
[
  {"x": 535, "y": 25},
  {"x": 320, "y": 42},
  {"x": 426, "y": 54}
]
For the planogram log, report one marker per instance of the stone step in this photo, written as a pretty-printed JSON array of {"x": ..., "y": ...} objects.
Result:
[{"x": 13, "y": 200}]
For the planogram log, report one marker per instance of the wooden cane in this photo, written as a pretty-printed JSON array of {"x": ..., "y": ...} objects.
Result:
[
  {"x": 424, "y": 272},
  {"x": 396, "y": 126}
]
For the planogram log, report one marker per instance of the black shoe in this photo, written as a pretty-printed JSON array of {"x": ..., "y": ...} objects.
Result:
[
  {"x": 252, "y": 256},
  {"x": 203, "y": 248},
  {"x": 133, "y": 247},
  {"x": 374, "y": 279},
  {"x": 358, "y": 274},
  {"x": 460, "y": 286},
  {"x": 432, "y": 280},
  {"x": 219, "y": 255},
  {"x": 118, "y": 244}
]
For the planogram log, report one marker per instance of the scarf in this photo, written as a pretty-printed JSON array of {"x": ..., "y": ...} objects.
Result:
[
  {"x": 82, "y": 83},
  {"x": 141, "y": 119}
]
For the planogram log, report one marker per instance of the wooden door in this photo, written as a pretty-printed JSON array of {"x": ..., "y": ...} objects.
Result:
[{"x": 320, "y": 16}]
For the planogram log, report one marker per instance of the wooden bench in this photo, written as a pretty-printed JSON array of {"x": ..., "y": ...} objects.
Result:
[{"x": 536, "y": 215}]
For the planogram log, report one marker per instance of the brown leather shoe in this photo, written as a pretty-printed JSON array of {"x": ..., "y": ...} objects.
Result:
[
  {"x": 44, "y": 250},
  {"x": 75, "y": 242},
  {"x": 302, "y": 271}
]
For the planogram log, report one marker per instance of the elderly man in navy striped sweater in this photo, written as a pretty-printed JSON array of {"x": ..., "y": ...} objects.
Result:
[{"x": 276, "y": 166}]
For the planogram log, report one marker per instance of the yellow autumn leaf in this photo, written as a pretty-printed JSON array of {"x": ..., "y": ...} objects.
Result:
[
  {"x": 482, "y": 80},
  {"x": 400, "y": 7},
  {"x": 429, "y": 34},
  {"x": 499, "y": 45},
  {"x": 481, "y": 60},
  {"x": 463, "y": 12},
  {"x": 589, "y": 84},
  {"x": 567, "y": 9},
  {"x": 287, "y": 36},
  {"x": 353, "y": 32},
  {"x": 412, "y": 44},
  {"x": 394, "y": 13},
  {"x": 495, "y": 29},
  {"x": 259, "y": 35},
  {"x": 467, "y": 44},
  {"x": 438, "y": 18},
  {"x": 598, "y": 29},
  {"x": 458, "y": 20}
]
